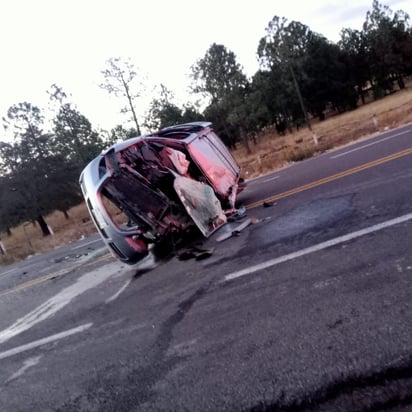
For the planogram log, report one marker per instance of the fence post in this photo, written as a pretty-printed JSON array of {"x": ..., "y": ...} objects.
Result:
[{"x": 2, "y": 248}]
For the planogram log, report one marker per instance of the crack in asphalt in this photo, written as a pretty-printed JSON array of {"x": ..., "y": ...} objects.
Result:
[{"x": 129, "y": 393}]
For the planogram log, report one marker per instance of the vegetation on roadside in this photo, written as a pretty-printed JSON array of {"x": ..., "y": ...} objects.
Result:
[
  {"x": 300, "y": 102},
  {"x": 274, "y": 152}
]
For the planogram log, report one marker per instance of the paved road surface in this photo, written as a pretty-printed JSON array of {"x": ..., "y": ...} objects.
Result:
[{"x": 309, "y": 309}]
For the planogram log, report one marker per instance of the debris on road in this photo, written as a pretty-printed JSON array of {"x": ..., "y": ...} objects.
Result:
[
  {"x": 268, "y": 204},
  {"x": 235, "y": 231},
  {"x": 237, "y": 215},
  {"x": 195, "y": 252}
]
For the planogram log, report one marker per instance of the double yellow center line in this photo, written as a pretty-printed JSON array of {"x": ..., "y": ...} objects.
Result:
[{"x": 331, "y": 178}]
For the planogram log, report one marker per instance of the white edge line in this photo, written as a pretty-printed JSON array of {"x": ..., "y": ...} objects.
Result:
[
  {"x": 29, "y": 363},
  {"x": 270, "y": 179},
  {"x": 87, "y": 243},
  {"x": 316, "y": 248},
  {"x": 8, "y": 272},
  {"x": 117, "y": 294},
  {"x": 370, "y": 144},
  {"x": 43, "y": 341}
]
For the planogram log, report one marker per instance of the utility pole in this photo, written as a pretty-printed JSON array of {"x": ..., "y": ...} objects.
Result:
[{"x": 302, "y": 105}]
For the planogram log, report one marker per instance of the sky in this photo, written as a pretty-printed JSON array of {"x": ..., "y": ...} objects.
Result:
[{"x": 68, "y": 43}]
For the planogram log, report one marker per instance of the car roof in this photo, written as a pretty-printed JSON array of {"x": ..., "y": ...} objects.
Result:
[
  {"x": 192, "y": 127},
  {"x": 179, "y": 132}
]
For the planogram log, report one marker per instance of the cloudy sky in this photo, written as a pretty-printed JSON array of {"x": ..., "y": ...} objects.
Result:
[{"x": 67, "y": 42}]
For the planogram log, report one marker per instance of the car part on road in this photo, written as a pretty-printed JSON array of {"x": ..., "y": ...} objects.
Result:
[
  {"x": 234, "y": 231},
  {"x": 195, "y": 252}
]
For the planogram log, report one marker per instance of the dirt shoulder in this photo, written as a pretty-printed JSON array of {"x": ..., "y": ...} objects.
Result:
[{"x": 271, "y": 152}]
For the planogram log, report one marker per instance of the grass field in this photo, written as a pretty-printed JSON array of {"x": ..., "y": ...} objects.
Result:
[
  {"x": 273, "y": 152},
  {"x": 270, "y": 153}
]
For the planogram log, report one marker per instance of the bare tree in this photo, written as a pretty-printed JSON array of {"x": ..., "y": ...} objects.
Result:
[{"x": 119, "y": 79}]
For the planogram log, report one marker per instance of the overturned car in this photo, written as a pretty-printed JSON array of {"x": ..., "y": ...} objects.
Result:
[{"x": 146, "y": 189}]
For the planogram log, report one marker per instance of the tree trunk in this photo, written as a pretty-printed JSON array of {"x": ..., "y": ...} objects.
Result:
[
  {"x": 231, "y": 140},
  {"x": 130, "y": 100},
  {"x": 361, "y": 94},
  {"x": 254, "y": 138},
  {"x": 43, "y": 226},
  {"x": 401, "y": 83},
  {"x": 245, "y": 141}
]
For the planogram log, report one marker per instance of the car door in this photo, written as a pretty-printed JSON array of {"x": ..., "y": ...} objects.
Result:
[{"x": 216, "y": 162}]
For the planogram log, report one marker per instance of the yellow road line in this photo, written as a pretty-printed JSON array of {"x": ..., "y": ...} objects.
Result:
[
  {"x": 61, "y": 272},
  {"x": 331, "y": 178},
  {"x": 250, "y": 206}
]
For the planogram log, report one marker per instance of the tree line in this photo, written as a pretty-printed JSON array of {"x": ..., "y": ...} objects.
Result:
[
  {"x": 302, "y": 75},
  {"x": 39, "y": 171}
]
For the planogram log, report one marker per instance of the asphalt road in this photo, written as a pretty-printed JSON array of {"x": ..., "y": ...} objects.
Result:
[{"x": 307, "y": 309}]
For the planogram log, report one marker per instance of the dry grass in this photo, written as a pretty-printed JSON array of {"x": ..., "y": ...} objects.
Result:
[
  {"x": 27, "y": 239},
  {"x": 270, "y": 153},
  {"x": 273, "y": 151}
]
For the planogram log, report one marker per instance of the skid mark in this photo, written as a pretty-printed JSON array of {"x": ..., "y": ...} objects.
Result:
[{"x": 59, "y": 301}]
